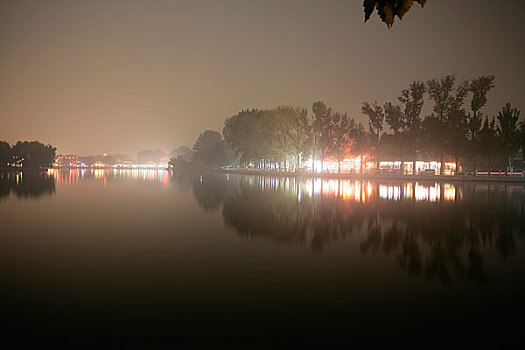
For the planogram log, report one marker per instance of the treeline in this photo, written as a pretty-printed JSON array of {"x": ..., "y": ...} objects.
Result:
[
  {"x": 455, "y": 130},
  {"x": 26, "y": 154},
  {"x": 277, "y": 136},
  {"x": 209, "y": 151}
]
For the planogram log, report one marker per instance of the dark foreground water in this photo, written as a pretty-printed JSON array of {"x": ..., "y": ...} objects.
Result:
[{"x": 147, "y": 256}]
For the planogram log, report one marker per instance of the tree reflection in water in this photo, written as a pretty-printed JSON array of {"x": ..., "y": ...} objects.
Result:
[
  {"x": 436, "y": 231},
  {"x": 26, "y": 184}
]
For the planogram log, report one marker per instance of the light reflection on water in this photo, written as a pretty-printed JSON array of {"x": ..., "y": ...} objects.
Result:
[
  {"x": 437, "y": 231},
  {"x": 73, "y": 176},
  {"x": 360, "y": 191},
  {"x": 125, "y": 246},
  {"x": 320, "y": 212},
  {"x": 363, "y": 191}
]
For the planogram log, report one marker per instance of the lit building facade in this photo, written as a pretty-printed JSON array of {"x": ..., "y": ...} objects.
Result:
[
  {"x": 66, "y": 161},
  {"x": 360, "y": 165}
]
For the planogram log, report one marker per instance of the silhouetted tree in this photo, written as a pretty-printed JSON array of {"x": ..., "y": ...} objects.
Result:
[
  {"x": 342, "y": 143},
  {"x": 240, "y": 134},
  {"x": 300, "y": 134},
  {"x": 412, "y": 100},
  {"x": 446, "y": 113},
  {"x": 508, "y": 131},
  {"x": 323, "y": 136},
  {"x": 5, "y": 154},
  {"x": 183, "y": 151},
  {"x": 395, "y": 119},
  {"x": 336, "y": 134},
  {"x": 376, "y": 116},
  {"x": 33, "y": 154},
  {"x": 274, "y": 128},
  {"x": 479, "y": 88},
  {"x": 209, "y": 149},
  {"x": 487, "y": 146},
  {"x": 179, "y": 163},
  {"x": 457, "y": 124}
]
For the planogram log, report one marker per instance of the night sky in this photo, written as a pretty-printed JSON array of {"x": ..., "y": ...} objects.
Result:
[{"x": 122, "y": 76}]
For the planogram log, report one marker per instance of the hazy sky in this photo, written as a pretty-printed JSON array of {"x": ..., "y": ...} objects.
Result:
[{"x": 120, "y": 76}]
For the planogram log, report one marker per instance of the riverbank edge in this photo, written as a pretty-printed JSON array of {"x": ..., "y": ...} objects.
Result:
[
  {"x": 20, "y": 170},
  {"x": 433, "y": 178}
]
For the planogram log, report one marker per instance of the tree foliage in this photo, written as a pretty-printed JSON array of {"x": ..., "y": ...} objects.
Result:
[
  {"x": 336, "y": 133},
  {"x": 284, "y": 136},
  {"x": 479, "y": 88},
  {"x": 280, "y": 135},
  {"x": 387, "y": 10},
  {"x": 376, "y": 116},
  {"x": 182, "y": 151},
  {"x": 412, "y": 100},
  {"x": 508, "y": 130},
  {"x": 446, "y": 127},
  {"x": 5, "y": 153},
  {"x": 33, "y": 154},
  {"x": 209, "y": 150}
]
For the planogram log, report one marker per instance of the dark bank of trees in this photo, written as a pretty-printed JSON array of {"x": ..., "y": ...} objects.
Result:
[
  {"x": 286, "y": 137},
  {"x": 209, "y": 152},
  {"x": 270, "y": 137},
  {"x": 454, "y": 130},
  {"x": 441, "y": 119},
  {"x": 26, "y": 155}
]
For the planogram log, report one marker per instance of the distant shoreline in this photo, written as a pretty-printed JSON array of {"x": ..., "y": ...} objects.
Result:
[
  {"x": 345, "y": 176},
  {"x": 19, "y": 170},
  {"x": 434, "y": 178}
]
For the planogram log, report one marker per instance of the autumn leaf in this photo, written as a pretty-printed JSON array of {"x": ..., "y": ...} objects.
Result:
[
  {"x": 387, "y": 14},
  {"x": 369, "y": 6},
  {"x": 388, "y": 9},
  {"x": 403, "y": 7}
]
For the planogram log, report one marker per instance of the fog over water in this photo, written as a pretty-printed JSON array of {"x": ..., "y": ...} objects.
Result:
[
  {"x": 262, "y": 172},
  {"x": 136, "y": 75},
  {"x": 145, "y": 253}
]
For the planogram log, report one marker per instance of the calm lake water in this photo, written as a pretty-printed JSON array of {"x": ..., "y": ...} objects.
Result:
[{"x": 148, "y": 255}]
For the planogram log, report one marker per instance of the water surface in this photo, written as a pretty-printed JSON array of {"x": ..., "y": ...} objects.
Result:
[{"x": 152, "y": 255}]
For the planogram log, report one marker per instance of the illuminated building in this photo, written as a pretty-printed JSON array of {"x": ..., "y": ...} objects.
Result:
[
  {"x": 406, "y": 167},
  {"x": 354, "y": 166},
  {"x": 67, "y": 161}
]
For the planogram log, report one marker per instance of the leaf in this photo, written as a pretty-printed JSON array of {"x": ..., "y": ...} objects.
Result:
[
  {"x": 387, "y": 14},
  {"x": 369, "y": 6},
  {"x": 402, "y": 7},
  {"x": 388, "y": 9}
]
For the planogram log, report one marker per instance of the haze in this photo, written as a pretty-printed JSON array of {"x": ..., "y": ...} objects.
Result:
[{"x": 121, "y": 76}]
